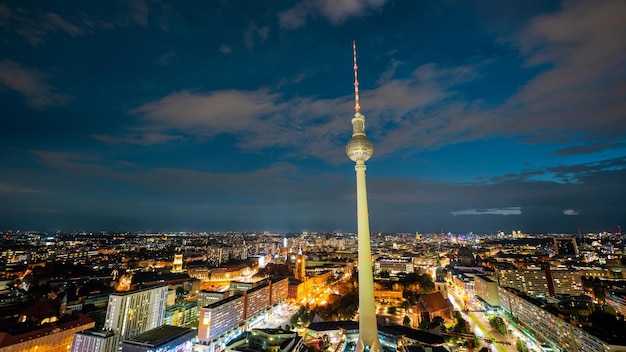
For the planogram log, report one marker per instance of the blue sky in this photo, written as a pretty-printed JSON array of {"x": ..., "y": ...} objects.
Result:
[{"x": 233, "y": 115}]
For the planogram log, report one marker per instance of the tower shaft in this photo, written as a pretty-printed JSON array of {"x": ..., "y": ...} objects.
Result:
[{"x": 368, "y": 330}]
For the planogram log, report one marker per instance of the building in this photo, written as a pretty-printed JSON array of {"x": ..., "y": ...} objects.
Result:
[
  {"x": 54, "y": 336},
  {"x": 178, "y": 263},
  {"x": 541, "y": 282},
  {"x": 181, "y": 314},
  {"x": 128, "y": 314},
  {"x": 209, "y": 297},
  {"x": 359, "y": 149},
  {"x": 163, "y": 338},
  {"x": 94, "y": 341},
  {"x": 487, "y": 290},
  {"x": 220, "y": 317},
  {"x": 273, "y": 340},
  {"x": 300, "y": 270},
  {"x": 394, "y": 266},
  {"x": 565, "y": 246},
  {"x": 548, "y": 327},
  {"x": 433, "y": 305},
  {"x": 133, "y": 312}
]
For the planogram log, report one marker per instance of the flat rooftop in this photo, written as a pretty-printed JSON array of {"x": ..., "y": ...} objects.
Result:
[{"x": 159, "y": 336}]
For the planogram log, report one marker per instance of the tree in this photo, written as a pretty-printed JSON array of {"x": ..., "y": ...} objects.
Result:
[
  {"x": 180, "y": 291},
  {"x": 497, "y": 323},
  {"x": 384, "y": 274},
  {"x": 406, "y": 321},
  {"x": 521, "y": 346},
  {"x": 392, "y": 310}
]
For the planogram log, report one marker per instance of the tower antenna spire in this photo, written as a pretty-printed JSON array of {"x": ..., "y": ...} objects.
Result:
[{"x": 357, "y": 106}]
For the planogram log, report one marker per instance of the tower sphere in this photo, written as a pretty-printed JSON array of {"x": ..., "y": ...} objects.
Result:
[{"x": 359, "y": 147}]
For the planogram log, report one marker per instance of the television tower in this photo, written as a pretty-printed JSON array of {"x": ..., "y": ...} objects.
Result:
[{"x": 359, "y": 150}]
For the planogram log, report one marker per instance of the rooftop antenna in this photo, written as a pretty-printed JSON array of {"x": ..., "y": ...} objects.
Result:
[{"x": 357, "y": 106}]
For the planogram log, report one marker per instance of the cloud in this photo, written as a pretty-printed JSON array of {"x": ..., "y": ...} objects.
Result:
[
  {"x": 31, "y": 84},
  {"x": 583, "y": 47},
  {"x": 335, "y": 11},
  {"x": 490, "y": 211},
  {"x": 12, "y": 188},
  {"x": 255, "y": 35},
  {"x": 34, "y": 26},
  {"x": 143, "y": 139},
  {"x": 588, "y": 148},
  {"x": 570, "y": 212},
  {"x": 225, "y": 49}
]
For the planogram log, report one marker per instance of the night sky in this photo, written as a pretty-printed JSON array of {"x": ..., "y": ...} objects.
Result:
[{"x": 234, "y": 115}]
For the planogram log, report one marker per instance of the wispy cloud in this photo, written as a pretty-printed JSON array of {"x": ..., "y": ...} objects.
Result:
[
  {"x": 34, "y": 26},
  {"x": 13, "y": 188},
  {"x": 570, "y": 212},
  {"x": 335, "y": 11},
  {"x": 255, "y": 35},
  {"x": 490, "y": 211},
  {"x": 31, "y": 84}
]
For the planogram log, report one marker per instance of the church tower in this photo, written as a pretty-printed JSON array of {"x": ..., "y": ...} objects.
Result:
[
  {"x": 300, "y": 266},
  {"x": 359, "y": 150}
]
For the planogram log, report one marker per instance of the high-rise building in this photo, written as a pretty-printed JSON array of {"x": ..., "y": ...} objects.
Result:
[
  {"x": 133, "y": 312},
  {"x": 359, "y": 150}
]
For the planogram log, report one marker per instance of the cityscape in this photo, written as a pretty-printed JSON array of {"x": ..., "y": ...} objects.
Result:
[{"x": 158, "y": 195}]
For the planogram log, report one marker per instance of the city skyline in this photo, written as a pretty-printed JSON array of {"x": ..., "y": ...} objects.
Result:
[{"x": 223, "y": 117}]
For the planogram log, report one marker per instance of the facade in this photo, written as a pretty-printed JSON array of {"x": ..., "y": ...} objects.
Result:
[
  {"x": 548, "y": 327},
  {"x": 163, "y": 338},
  {"x": 178, "y": 263},
  {"x": 487, "y": 290},
  {"x": 539, "y": 282},
  {"x": 209, "y": 297},
  {"x": 359, "y": 149},
  {"x": 300, "y": 271},
  {"x": 566, "y": 282},
  {"x": 94, "y": 341},
  {"x": 181, "y": 314},
  {"x": 530, "y": 281},
  {"x": 279, "y": 290},
  {"x": 53, "y": 337},
  {"x": 394, "y": 266},
  {"x": 128, "y": 315},
  {"x": 257, "y": 300},
  {"x": 221, "y": 317}
]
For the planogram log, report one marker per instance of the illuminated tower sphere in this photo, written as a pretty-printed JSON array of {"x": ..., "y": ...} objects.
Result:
[{"x": 359, "y": 150}]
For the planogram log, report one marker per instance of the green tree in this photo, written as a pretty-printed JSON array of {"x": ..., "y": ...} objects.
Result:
[
  {"x": 521, "y": 346},
  {"x": 497, "y": 323},
  {"x": 392, "y": 310}
]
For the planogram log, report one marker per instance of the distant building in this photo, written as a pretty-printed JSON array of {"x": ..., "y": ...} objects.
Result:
[
  {"x": 163, "y": 338},
  {"x": 54, "y": 336},
  {"x": 178, "y": 263},
  {"x": 300, "y": 271},
  {"x": 565, "y": 246}
]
